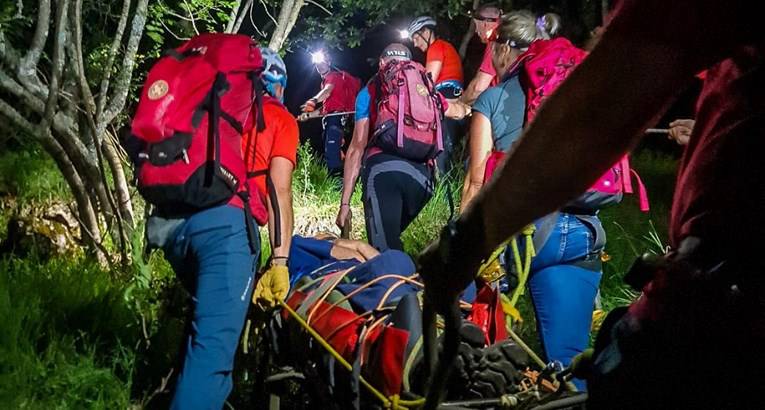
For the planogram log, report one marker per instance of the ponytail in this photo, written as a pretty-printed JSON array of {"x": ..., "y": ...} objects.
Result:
[{"x": 548, "y": 26}]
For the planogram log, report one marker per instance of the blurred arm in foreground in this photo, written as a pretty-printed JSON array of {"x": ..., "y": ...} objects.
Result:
[{"x": 593, "y": 119}]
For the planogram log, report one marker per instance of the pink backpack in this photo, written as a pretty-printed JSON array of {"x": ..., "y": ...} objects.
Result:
[
  {"x": 195, "y": 105},
  {"x": 542, "y": 68},
  {"x": 407, "y": 120}
]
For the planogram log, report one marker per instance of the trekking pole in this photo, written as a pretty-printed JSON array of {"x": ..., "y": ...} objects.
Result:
[{"x": 657, "y": 131}]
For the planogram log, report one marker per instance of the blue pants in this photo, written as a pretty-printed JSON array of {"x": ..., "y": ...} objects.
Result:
[
  {"x": 562, "y": 292},
  {"x": 211, "y": 254},
  {"x": 333, "y": 143}
]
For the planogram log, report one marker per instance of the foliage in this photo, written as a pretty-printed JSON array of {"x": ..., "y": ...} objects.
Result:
[
  {"x": 62, "y": 339},
  {"x": 171, "y": 21},
  {"x": 351, "y": 20},
  {"x": 28, "y": 175}
]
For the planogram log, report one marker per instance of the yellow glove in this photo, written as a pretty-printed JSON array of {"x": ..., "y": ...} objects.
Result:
[{"x": 272, "y": 286}]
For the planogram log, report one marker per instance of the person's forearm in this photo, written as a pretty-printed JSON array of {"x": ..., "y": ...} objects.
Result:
[
  {"x": 587, "y": 125},
  {"x": 470, "y": 192},
  {"x": 480, "y": 146},
  {"x": 353, "y": 158},
  {"x": 286, "y": 223},
  {"x": 323, "y": 94},
  {"x": 479, "y": 84},
  {"x": 351, "y": 170}
]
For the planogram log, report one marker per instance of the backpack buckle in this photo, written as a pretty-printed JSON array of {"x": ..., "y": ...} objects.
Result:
[{"x": 185, "y": 154}]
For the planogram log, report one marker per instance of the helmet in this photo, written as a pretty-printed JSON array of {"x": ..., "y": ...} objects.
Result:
[
  {"x": 274, "y": 70},
  {"x": 421, "y": 22}
]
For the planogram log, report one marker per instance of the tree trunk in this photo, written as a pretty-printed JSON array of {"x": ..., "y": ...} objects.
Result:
[
  {"x": 288, "y": 15},
  {"x": 232, "y": 16}
]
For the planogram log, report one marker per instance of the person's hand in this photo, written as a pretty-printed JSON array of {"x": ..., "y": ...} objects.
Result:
[
  {"x": 681, "y": 130},
  {"x": 342, "y": 215},
  {"x": 461, "y": 110},
  {"x": 272, "y": 286},
  {"x": 309, "y": 106}
]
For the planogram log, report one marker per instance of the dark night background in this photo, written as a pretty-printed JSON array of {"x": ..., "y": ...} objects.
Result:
[{"x": 361, "y": 61}]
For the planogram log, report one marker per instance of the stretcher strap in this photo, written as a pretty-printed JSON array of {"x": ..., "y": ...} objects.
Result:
[
  {"x": 394, "y": 402},
  {"x": 523, "y": 267}
]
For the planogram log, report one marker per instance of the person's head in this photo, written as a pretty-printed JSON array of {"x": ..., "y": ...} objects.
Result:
[
  {"x": 274, "y": 75},
  {"x": 395, "y": 52},
  {"x": 322, "y": 62},
  {"x": 422, "y": 32},
  {"x": 486, "y": 19},
  {"x": 516, "y": 33}
]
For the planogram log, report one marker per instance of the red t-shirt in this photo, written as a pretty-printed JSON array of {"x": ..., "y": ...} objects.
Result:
[
  {"x": 487, "y": 66},
  {"x": 280, "y": 138},
  {"x": 720, "y": 191},
  {"x": 343, "y": 96},
  {"x": 451, "y": 64}
]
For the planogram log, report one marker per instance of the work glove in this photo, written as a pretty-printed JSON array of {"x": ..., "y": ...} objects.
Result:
[{"x": 272, "y": 287}]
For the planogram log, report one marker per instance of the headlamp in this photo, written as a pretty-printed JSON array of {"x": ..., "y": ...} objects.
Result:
[
  {"x": 318, "y": 57},
  {"x": 404, "y": 34}
]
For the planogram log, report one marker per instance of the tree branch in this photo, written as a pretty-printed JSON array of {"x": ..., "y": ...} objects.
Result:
[
  {"x": 61, "y": 123},
  {"x": 89, "y": 102},
  {"x": 8, "y": 54},
  {"x": 319, "y": 6},
  {"x": 19, "y": 9},
  {"x": 117, "y": 103},
  {"x": 288, "y": 15},
  {"x": 27, "y": 71},
  {"x": 191, "y": 17},
  {"x": 247, "y": 8},
  {"x": 232, "y": 17},
  {"x": 57, "y": 66},
  {"x": 268, "y": 13},
  {"x": 252, "y": 21},
  {"x": 104, "y": 89}
]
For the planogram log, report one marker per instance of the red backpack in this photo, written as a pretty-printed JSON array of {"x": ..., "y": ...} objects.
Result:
[
  {"x": 407, "y": 120},
  {"x": 542, "y": 68},
  {"x": 195, "y": 105}
]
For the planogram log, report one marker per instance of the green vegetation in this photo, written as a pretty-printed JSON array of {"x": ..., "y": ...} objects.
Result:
[{"x": 78, "y": 336}]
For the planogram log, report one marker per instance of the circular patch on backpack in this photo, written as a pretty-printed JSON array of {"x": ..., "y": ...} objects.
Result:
[
  {"x": 422, "y": 90},
  {"x": 158, "y": 89}
]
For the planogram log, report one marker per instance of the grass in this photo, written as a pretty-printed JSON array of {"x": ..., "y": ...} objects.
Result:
[
  {"x": 64, "y": 323},
  {"x": 77, "y": 336}
]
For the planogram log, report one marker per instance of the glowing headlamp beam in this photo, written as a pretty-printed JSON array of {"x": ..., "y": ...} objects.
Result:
[
  {"x": 318, "y": 57},
  {"x": 404, "y": 34}
]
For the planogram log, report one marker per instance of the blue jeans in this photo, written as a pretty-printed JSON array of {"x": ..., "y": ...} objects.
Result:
[
  {"x": 210, "y": 253},
  {"x": 563, "y": 290},
  {"x": 333, "y": 143}
]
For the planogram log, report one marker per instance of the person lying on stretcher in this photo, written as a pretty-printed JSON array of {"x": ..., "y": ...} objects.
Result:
[{"x": 367, "y": 306}]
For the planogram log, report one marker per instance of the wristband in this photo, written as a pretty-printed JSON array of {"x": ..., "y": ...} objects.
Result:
[{"x": 280, "y": 258}]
